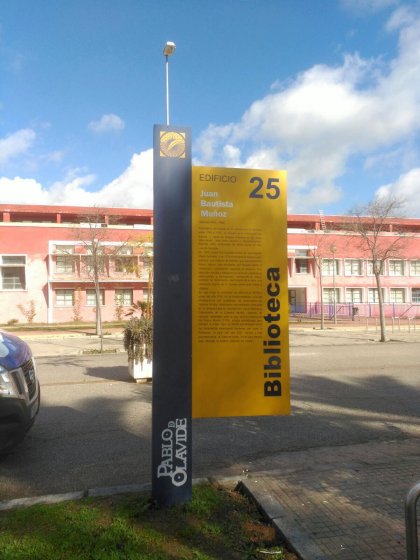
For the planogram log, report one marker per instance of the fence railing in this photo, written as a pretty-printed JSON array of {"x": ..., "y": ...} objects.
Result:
[{"x": 354, "y": 311}]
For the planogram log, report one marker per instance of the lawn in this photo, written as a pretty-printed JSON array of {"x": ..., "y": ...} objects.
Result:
[{"x": 217, "y": 524}]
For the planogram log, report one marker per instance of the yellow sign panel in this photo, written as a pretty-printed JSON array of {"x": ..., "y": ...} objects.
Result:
[{"x": 240, "y": 304}]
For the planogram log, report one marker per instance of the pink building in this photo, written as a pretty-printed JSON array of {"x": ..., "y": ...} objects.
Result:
[
  {"x": 45, "y": 264},
  {"x": 45, "y": 261},
  {"x": 347, "y": 274}
]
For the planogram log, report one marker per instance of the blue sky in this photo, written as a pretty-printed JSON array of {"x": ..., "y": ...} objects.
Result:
[{"x": 327, "y": 89}]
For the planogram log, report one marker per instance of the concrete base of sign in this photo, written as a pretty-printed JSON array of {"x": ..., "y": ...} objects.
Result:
[{"x": 140, "y": 371}]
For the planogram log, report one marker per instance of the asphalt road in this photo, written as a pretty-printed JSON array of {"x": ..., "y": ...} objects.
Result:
[{"x": 94, "y": 426}]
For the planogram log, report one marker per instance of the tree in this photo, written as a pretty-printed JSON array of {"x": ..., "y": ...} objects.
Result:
[
  {"x": 372, "y": 224},
  {"x": 318, "y": 251},
  {"x": 318, "y": 260},
  {"x": 98, "y": 251}
]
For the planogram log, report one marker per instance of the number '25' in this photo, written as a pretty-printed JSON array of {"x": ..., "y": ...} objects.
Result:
[{"x": 270, "y": 190}]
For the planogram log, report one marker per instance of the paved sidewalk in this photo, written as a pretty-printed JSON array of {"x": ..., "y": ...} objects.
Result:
[
  {"x": 53, "y": 343},
  {"x": 59, "y": 344},
  {"x": 345, "y": 502},
  {"x": 340, "y": 503}
]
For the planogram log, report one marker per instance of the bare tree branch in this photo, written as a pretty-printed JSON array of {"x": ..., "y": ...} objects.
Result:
[
  {"x": 380, "y": 237},
  {"x": 99, "y": 251}
]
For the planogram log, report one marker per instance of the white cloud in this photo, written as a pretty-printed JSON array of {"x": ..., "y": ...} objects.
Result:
[
  {"x": 312, "y": 198},
  {"x": 16, "y": 144},
  {"x": 52, "y": 157},
  {"x": 107, "y": 123},
  {"x": 325, "y": 116},
  {"x": 72, "y": 191},
  {"x": 407, "y": 187},
  {"x": 232, "y": 155},
  {"x": 132, "y": 189},
  {"x": 22, "y": 191},
  {"x": 400, "y": 17}
]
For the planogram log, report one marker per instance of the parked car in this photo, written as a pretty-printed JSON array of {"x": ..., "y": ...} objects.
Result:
[{"x": 19, "y": 391}]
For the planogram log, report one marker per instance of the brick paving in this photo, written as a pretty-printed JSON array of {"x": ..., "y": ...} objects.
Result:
[{"x": 336, "y": 510}]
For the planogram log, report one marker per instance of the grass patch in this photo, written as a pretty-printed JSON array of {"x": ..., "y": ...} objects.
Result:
[{"x": 217, "y": 524}]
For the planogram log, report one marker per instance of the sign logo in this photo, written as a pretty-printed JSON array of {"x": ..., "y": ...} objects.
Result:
[
  {"x": 174, "y": 452},
  {"x": 172, "y": 144}
]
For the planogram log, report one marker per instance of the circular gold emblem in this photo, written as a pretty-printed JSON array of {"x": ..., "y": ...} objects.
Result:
[{"x": 172, "y": 144}]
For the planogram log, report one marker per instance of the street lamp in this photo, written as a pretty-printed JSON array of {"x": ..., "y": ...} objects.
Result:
[
  {"x": 333, "y": 250},
  {"x": 168, "y": 50}
]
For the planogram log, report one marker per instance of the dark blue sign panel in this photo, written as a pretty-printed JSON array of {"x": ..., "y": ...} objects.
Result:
[{"x": 171, "y": 409}]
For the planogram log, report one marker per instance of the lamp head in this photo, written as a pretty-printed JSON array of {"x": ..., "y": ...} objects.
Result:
[{"x": 169, "y": 48}]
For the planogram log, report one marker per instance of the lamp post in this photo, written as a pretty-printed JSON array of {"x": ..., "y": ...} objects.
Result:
[
  {"x": 333, "y": 250},
  {"x": 168, "y": 50}
]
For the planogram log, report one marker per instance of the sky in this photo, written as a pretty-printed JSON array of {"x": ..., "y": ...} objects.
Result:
[{"x": 328, "y": 90}]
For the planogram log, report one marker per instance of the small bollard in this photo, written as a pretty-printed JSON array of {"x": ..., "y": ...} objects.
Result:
[{"x": 411, "y": 522}]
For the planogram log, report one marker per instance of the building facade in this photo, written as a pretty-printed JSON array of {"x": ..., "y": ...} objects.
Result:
[
  {"x": 47, "y": 265},
  {"x": 326, "y": 257},
  {"x": 48, "y": 258}
]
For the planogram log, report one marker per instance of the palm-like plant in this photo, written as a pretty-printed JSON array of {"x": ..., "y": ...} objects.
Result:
[
  {"x": 138, "y": 309},
  {"x": 138, "y": 339}
]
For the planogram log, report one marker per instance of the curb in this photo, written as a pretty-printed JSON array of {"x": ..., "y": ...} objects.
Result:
[
  {"x": 59, "y": 336},
  {"x": 8, "y": 505},
  {"x": 100, "y": 492}
]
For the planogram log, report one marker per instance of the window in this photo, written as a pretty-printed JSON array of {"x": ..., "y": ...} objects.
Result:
[
  {"x": 370, "y": 267},
  {"x": 12, "y": 259},
  {"x": 373, "y": 295},
  {"x": 91, "y": 297},
  {"x": 124, "y": 264},
  {"x": 64, "y": 249},
  {"x": 397, "y": 295},
  {"x": 12, "y": 272},
  {"x": 330, "y": 267},
  {"x": 90, "y": 264},
  {"x": 13, "y": 278},
  {"x": 329, "y": 295},
  {"x": 302, "y": 266},
  {"x": 124, "y": 297},
  {"x": 353, "y": 267},
  {"x": 126, "y": 250},
  {"x": 64, "y": 298},
  {"x": 396, "y": 268},
  {"x": 64, "y": 263},
  {"x": 354, "y": 295},
  {"x": 415, "y": 268},
  {"x": 415, "y": 295}
]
